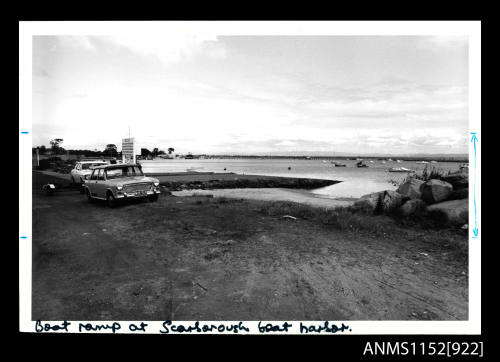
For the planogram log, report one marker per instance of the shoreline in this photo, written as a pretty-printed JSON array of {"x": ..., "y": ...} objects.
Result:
[
  {"x": 177, "y": 181},
  {"x": 270, "y": 195},
  {"x": 211, "y": 181}
]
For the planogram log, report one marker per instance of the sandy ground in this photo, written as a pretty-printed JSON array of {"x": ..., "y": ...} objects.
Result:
[
  {"x": 203, "y": 258},
  {"x": 271, "y": 194}
]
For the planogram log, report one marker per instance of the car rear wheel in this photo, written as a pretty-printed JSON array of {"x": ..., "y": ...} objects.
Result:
[
  {"x": 110, "y": 199},
  {"x": 153, "y": 198}
]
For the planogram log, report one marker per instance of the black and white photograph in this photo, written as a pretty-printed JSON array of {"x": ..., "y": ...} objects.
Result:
[{"x": 200, "y": 172}]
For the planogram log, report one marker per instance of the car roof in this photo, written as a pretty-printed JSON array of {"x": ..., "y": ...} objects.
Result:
[
  {"x": 97, "y": 161},
  {"x": 117, "y": 165}
]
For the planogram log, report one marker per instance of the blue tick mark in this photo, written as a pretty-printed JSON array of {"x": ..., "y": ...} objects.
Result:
[
  {"x": 24, "y": 132},
  {"x": 23, "y": 237}
]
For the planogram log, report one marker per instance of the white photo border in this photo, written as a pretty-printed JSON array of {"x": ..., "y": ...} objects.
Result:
[{"x": 472, "y": 29}]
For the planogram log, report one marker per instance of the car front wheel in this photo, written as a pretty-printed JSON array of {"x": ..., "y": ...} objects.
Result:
[{"x": 111, "y": 201}]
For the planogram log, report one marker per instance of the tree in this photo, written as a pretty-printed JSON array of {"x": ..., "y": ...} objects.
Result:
[
  {"x": 170, "y": 150},
  {"x": 55, "y": 144},
  {"x": 145, "y": 152},
  {"x": 160, "y": 152},
  {"x": 155, "y": 152},
  {"x": 110, "y": 150}
]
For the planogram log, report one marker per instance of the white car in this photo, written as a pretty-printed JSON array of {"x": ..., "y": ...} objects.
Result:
[{"x": 83, "y": 168}]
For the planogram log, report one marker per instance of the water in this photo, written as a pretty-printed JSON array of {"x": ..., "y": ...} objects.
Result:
[{"x": 355, "y": 181}]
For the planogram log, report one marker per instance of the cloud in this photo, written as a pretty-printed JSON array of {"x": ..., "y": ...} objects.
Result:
[
  {"x": 79, "y": 95},
  {"x": 442, "y": 42},
  {"x": 172, "y": 48},
  {"x": 76, "y": 42}
]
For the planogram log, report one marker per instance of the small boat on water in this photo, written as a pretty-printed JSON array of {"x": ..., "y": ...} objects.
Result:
[
  {"x": 434, "y": 162},
  {"x": 390, "y": 160},
  {"x": 399, "y": 161},
  {"x": 338, "y": 164},
  {"x": 361, "y": 164},
  {"x": 383, "y": 162},
  {"x": 371, "y": 161},
  {"x": 400, "y": 169},
  {"x": 423, "y": 162},
  {"x": 463, "y": 166}
]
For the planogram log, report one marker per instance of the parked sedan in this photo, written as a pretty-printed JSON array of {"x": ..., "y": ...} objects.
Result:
[
  {"x": 114, "y": 183},
  {"x": 83, "y": 168}
]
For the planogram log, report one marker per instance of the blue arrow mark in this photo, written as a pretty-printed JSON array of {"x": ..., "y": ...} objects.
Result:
[
  {"x": 24, "y": 132},
  {"x": 474, "y": 140},
  {"x": 23, "y": 237}
]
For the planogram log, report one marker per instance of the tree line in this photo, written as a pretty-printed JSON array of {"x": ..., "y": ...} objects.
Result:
[{"x": 110, "y": 151}]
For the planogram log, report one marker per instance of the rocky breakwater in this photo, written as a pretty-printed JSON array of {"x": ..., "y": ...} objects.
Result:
[
  {"x": 248, "y": 182},
  {"x": 445, "y": 198}
]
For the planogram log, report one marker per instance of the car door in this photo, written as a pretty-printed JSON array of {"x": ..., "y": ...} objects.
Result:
[
  {"x": 91, "y": 183},
  {"x": 100, "y": 187}
]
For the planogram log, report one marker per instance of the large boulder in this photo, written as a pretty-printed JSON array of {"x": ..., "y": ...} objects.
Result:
[
  {"x": 459, "y": 194},
  {"x": 412, "y": 207},
  {"x": 458, "y": 179},
  {"x": 456, "y": 211},
  {"x": 368, "y": 203},
  {"x": 379, "y": 201},
  {"x": 434, "y": 191},
  {"x": 411, "y": 188},
  {"x": 390, "y": 200}
]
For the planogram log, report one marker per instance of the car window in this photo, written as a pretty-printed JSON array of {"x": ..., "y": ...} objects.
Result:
[
  {"x": 114, "y": 173},
  {"x": 88, "y": 166},
  {"x": 134, "y": 171},
  {"x": 101, "y": 174},
  {"x": 94, "y": 175},
  {"x": 118, "y": 172}
]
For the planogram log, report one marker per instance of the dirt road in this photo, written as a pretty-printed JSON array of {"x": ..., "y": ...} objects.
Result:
[{"x": 196, "y": 258}]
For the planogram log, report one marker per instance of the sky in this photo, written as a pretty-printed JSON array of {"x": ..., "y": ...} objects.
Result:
[{"x": 253, "y": 94}]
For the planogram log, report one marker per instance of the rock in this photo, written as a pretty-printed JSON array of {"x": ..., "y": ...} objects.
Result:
[
  {"x": 434, "y": 191},
  {"x": 412, "y": 207},
  {"x": 367, "y": 203},
  {"x": 411, "y": 188},
  {"x": 379, "y": 201},
  {"x": 458, "y": 179},
  {"x": 456, "y": 211},
  {"x": 390, "y": 200},
  {"x": 459, "y": 194}
]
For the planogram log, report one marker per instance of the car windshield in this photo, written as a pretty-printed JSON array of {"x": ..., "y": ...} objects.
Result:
[
  {"x": 88, "y": 166},
  {"x": 119, "y": 172}
]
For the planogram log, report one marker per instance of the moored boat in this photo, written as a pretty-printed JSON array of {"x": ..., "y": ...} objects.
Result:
[
  {"x": 338, "y": 164},
  {"x": 361, "y": 164},
  {"x": 400, "y": 169}
]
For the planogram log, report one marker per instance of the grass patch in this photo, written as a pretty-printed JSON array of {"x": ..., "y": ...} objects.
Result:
[{"x": 340, "y": 218}]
